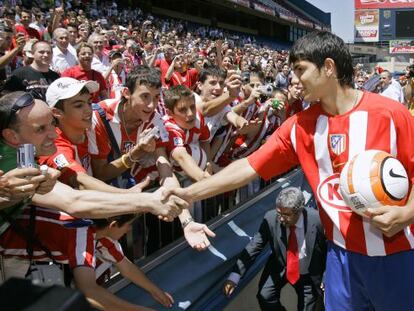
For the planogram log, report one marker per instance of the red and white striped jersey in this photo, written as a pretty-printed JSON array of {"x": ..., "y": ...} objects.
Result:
[
  {"x": 245, "y": 145},
  {"x": 179, "y": 137},
  {"x": 322, "y": 144},
  {"x": 99, "y": 142},
  {"x": 108, "y": 252},
  {"x": 69, "y": 158},
  {"x": 73, "y": 246},
  {"x": 116, "y": 84}
]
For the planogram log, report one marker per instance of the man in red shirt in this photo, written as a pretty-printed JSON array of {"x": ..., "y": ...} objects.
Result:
[
  {"x": 84, "y": 71},
  {"x": 25, "y": 20},
  {"x": 177, "y": 74},
  {"x": 358, "y": 247},
  {"x": 165, "y": 63}
]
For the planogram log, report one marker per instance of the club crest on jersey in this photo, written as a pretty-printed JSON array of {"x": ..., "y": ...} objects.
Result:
[
  {"x": 61, "y": 161},
  {"x": 337, "y": 143},
  {"x": 178, "y": 141}
]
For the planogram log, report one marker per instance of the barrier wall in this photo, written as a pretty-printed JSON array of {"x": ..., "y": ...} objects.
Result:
[{"x": 195, "y": 279}]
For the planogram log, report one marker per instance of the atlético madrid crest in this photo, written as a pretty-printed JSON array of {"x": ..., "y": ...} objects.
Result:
[{"x": 337, "y": 143}]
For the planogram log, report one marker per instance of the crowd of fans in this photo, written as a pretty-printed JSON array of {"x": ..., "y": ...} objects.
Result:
[
  {"x": 170, "y": 99},
  {"x": 379, "y": 80}
]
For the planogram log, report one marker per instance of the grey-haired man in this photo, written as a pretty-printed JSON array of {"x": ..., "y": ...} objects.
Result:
[{"x": 298, "y": 255}]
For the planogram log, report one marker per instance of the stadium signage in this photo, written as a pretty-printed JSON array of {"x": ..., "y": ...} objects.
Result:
[
  {"x": 286, "y": 17},
  {"x": 245, "y": 3},
  {"x": 401, "y": 47},
  {"x": 305, "y": 23},
  {"x": 383, "y": 4},
  {"x": 264, "y": 9},
  {"x": 366, "y": 25}
]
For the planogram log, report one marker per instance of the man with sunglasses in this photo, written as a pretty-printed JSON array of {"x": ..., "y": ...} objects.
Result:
[
  {"x": 296, "y": 238},
  {"x": 27, "y": 120}
]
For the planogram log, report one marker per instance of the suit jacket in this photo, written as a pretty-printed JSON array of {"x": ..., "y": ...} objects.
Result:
[{"x": 273, "y": 232}]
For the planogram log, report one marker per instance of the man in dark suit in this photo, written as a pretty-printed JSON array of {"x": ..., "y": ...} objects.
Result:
[{"x": 298, "y": 256}]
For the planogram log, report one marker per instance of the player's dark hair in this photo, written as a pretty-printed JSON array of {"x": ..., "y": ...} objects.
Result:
[
  {"x": 174, "y": 94},
  {"x": 143, "y": 75},
  {"x": 317, "y": 46}
]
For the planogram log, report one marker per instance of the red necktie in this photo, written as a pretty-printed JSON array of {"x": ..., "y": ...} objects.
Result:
[{"x": 292, "y": 269}]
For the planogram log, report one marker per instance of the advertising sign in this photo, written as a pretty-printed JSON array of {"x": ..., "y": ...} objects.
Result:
[
  {"x": 245, "y": 3},
  {"x": 383, "y": 4},
  {"x": 402, "y": 47},
  {"x": 366, "y": 25},
  {"x": 263, "y": 8},
  {"x": 287, "y": 17}
]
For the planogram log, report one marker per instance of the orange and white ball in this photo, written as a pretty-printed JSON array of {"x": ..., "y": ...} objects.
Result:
[{"x": 373, "y": 178}]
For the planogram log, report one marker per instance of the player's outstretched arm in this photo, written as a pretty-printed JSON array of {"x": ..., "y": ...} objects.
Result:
[
  {"x": 236, "y": 175},
  {"x": 96, "y": 204}
]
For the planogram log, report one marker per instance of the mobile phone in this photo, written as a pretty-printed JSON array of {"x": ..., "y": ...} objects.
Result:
[
  {"x": 26, "y": 156},
  {"x": 155, "y": 132}
]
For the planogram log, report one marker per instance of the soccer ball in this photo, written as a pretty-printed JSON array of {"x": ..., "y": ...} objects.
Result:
[{"x": 373, "y": 178}]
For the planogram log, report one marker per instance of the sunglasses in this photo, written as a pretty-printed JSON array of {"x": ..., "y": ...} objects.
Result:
[{"x": 23, "y": 101}]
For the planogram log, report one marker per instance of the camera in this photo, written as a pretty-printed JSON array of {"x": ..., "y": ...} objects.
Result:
[
  {"x": 26, "y": 156},
  {"x": 245, "y": 77},
  {"x": 265, "y": 91}
]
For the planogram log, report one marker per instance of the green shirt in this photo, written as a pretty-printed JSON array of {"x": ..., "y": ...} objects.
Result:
[{"x": 8, "y": 161}]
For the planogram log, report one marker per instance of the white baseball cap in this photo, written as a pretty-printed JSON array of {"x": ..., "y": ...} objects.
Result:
[{"x": 64, "y": 88}]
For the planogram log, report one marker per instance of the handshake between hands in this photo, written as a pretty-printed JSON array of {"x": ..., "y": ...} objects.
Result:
[{"x": 168, "y": 204}]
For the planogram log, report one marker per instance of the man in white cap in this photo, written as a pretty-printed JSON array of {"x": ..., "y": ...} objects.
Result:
[{"x": 70, "y": 102}]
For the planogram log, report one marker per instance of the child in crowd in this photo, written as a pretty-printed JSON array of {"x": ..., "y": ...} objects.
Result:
[
  {"x": 188, "y": 145},
  {"x": 109, "y": 252}
]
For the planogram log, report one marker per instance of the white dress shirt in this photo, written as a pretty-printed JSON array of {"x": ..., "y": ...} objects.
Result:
[
  {"x": 101, "y": 64},
  {"x": 62, "y": 61},
  {"x": 394, "y": 91}
]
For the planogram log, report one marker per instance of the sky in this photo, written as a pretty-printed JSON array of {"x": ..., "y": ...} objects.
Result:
[{"x": 342, "y": 16}]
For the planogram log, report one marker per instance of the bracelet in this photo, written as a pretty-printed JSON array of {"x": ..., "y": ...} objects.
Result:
[
  {"x": 186, "y": 222},
  {"x": 130, "y": 157},
  {"x": 123, "y": 160}
]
